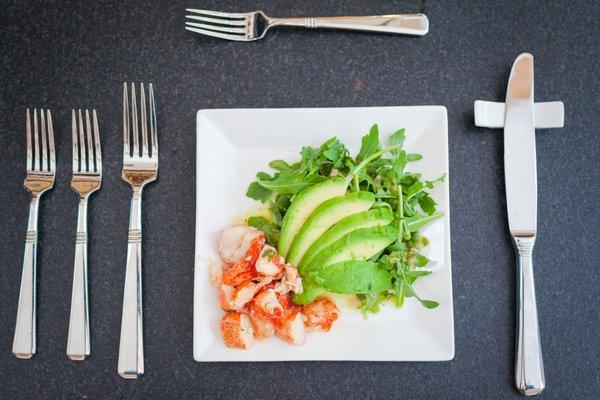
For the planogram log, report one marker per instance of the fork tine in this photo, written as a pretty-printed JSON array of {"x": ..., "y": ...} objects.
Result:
[
  {"x": 90, "y": 148},
  {"x": 216, "y": 34},
  {"x": 52, "y": 167},
  {"x": 126, "y": 149},
  {"x": 36, "y": 143},
  {"x": 153, "y": 130},
  {"x": 144, "y": 121},
  {"x": 44, "y": 158},
  {"x": 232, "y": 22},
  {"x": 216, "y": 13},
  {"x": 29, "y": 148},
  {"x": 75, "y": 145},
  {"x": 97, "y": 141},
  {"x": 216, "y": 27},
  {"x": 134, "y": 122},
  {"x": 82, "y": 155}
]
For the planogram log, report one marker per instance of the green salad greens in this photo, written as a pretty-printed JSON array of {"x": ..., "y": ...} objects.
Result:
[{"x": 350, "y": 224}]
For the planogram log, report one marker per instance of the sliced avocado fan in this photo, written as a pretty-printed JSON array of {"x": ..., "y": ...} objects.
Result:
[
  {"x": 367, "y": 219},
  {"x": 358, "y": 245},
  {"x": 303, "y": 204},
  {"x": 323, "y": 217}
]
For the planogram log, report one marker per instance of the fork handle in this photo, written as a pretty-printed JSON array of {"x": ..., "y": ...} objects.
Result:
[
  {"x": 406, "y": 24},
  {"x": 529, "y": 368},
  {"x": 131, "y": 346},
  {"x": 78, "y": 341},
  {"x": 24, "y": 339}
]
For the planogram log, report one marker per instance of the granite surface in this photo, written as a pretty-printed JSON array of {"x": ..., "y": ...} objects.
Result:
[{"x": 70, "y": 54}]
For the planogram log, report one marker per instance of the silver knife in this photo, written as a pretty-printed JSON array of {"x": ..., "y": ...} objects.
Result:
[{"x": 521, "y": 201}]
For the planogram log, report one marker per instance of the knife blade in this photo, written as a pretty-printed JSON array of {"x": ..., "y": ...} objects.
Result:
[
  {"x": 521, "y": 202},
  {"x": 519, "y": 149}
]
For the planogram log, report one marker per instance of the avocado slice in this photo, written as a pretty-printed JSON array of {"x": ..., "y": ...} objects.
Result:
[
  {"x": 303, "y": 204},
  {"x": 347, "y": 277},
  {"x": 358, "y": 245},
  {"x": 309, "y": 293},
  {"x": 352, "y": 277},
  {"x": 367, "y": 219},
  {"x": 323, "y": 217}
]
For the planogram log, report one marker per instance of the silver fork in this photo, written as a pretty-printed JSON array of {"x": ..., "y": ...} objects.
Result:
[
  {"x": 139, "y": 168},
  {"x": 87, "y": 177},
  {"x": 254, "y": 25},
  {"x": 41, "y": 167}
]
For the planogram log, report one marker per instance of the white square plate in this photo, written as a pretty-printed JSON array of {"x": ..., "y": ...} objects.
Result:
[{"x": 233, "y": 145}]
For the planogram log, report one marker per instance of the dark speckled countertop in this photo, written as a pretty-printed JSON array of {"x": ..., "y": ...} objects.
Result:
[{"x": 64, "y": 54}]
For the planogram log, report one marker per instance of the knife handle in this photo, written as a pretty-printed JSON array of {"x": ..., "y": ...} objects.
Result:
[{"x": 529, "y": 369}]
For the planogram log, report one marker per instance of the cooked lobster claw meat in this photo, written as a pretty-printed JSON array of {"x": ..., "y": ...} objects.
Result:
[
  {"x": 320, "y": 314},
  {"x": 237, "y": 330}
]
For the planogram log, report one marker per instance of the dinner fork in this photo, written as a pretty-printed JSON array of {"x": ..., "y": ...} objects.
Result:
[
  {"x": 139, "y": 168},
  {"x": 41, "y": 167},
  {"x": 254, "y": 25},
  {"x": 87, "y": 177}
]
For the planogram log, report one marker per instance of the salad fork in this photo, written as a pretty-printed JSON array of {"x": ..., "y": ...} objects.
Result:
[
  {"x": 140, "y": 167},
  {"x": 254, "y": 25},
  {"x": 87, "y": 177},
  {"x": 41, "y": 167}
]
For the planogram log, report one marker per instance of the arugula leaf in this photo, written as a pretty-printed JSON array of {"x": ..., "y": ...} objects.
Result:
[
  {"x": 398, "y": 138},
  {"x": 427, "y": 204},
  {"x": 401, "y": 263},
  {"x": 309, "y": 160},
  {"x": 417, "y": 274},
  {"x": 371, "y": 302},
  {"x": 291, "y": 184},
  {"x": 426, "y": 303},
  {"x": 279, "y": 165},
  {"x": 415, "y": 188},
  {"x": 409, "y": 209},
  {"x": 430, "y": 304},
  {"x": 413, "y": 157},
  {"x": 263, "y": 176},
  {"x": 270, "y": 229},
  {"x": 275, "y": 214},
  {"x": 417, "y": 222},
  {"x": 335, "y": 152},
  {"x": 257, "y": 222},
  {"x": 418, "y": 186},
  {"x": 399, "y": 164},
  {"x": 283, "y": 202},
  {"x": 369, "y": 144},
  {"x": 421, "y": 261},
  {"x": 258, "y": 192},
  {"x": 431, "y": 184}
]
